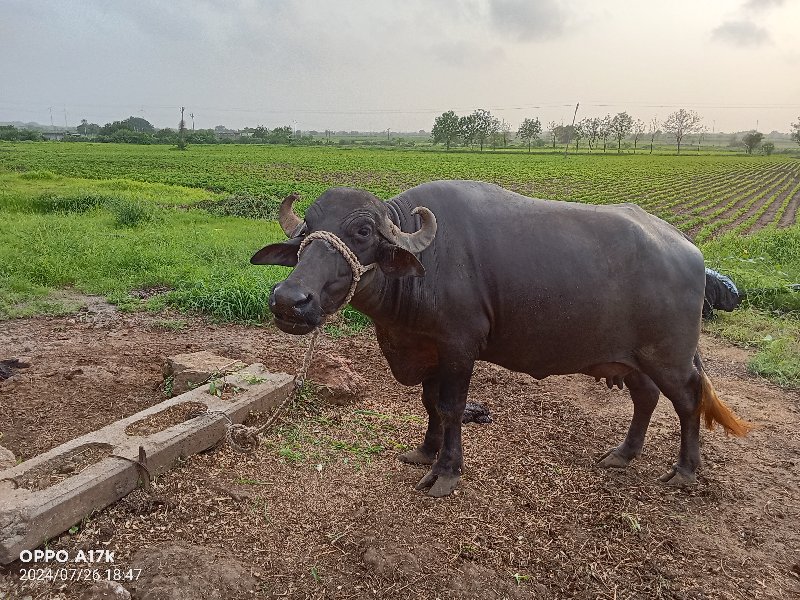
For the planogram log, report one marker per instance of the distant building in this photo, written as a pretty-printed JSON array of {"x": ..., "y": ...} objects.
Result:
[
  {"x": 53, "y": 136},
  {"x": 223, "y": 133}
]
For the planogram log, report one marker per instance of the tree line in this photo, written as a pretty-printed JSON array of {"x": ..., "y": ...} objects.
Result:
[{"x": 481, "y": 128}]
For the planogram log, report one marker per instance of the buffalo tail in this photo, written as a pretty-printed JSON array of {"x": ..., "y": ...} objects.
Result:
[{"x": 713, "y": 410}]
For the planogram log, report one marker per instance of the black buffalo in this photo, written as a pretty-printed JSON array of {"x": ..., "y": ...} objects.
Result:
[{"x": 536, "y": 286}]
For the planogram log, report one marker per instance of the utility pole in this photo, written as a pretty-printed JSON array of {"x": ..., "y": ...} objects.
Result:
[
  {"x": 52, "y": 127},
  {"x": 181, "y": 132},
  {"x": 65, "y": 120},
  {"x": 575, "y": 114},
  {"x": 191, "y": 114}
]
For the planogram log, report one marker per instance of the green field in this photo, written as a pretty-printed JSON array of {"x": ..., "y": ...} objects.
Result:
[{"x": 108, "y": 219}]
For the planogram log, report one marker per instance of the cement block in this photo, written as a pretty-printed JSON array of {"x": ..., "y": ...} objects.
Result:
[
  {"x": 195, "y": 368},
  {"x": 30, "y": 516}
]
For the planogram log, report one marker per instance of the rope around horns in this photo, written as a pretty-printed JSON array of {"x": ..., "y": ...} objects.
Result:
[{"x": 242, "y": 438}]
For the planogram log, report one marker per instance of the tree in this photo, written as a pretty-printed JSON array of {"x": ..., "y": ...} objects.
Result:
[
  {"x": 130, "y": 124},
  {"x": 529, "y": 131},
  {"x": 504, "y": 131},
  {"x": 467, "y": 129},
  {"x": 653, "y": 131},
  {"x": 446, "y": 129},
  {"x": 681, "y": 122},
  {"x": 751, "y": 140},
  {"x": 551, "y": 127},
  {"x": 768, "y": 148},
  {"x": 591, "y": 130},
  {"x": 604, "y": 130},
  {"x": 281, "y": 135},
  {"x": 638, "y": 131},
  {"x": 621, "y": 126},
  {"x": 261, "y": 133},
  {"x": 701, "y": 131},
  {"x": 564, "y": 133},
  {"x": 86, "y": 128},
  {"x": 579, "y": 132},
  {"x": 485, "y": 125},
  {"x": 796, "y": 132}
]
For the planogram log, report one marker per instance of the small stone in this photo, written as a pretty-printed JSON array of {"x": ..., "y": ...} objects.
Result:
[{"x": 7, "y": 458}]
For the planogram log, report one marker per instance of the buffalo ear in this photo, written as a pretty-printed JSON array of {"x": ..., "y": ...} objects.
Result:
[
  {"x": 396, "y": 262},
  {"x": 282, "y": 253}
]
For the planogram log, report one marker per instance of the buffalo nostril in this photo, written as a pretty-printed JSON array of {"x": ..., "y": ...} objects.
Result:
[
  {"x": 301, "y": 302},
  {"x": 289, "y": 301}
]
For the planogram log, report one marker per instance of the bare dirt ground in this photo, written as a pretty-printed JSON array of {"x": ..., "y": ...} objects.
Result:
[{"x": 324, "y": 510}]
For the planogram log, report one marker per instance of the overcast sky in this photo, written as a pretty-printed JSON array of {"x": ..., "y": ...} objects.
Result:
[{"x": 378, "y": 64}]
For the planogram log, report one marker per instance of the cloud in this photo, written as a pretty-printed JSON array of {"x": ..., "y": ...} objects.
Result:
[
  {"x": 762, "y": 5},
  {"x": 529, "y": 20},
  {"x": 741, "y": 33}
]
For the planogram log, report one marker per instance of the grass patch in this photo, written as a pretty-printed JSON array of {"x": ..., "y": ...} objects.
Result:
[
  {"x": 243, "y": 205},
  {"x": 350, "y": 322},
  {"x": 109, "y": 246},
  {"x": 763, "y": 266},
  {"x": 169, "y": 325},
  {"x": 775, "y": 339}
]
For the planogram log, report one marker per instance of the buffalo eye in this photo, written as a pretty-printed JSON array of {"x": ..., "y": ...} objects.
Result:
[{"x": 364, "y": 231}]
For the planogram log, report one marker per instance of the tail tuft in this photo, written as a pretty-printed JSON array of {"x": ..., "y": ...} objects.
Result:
[{"x": 714, "y": 410}]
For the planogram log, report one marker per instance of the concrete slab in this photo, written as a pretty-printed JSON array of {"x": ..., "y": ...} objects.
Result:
[
  {"x": 29, "y": 515},
  {"x": 188, "y": 371}
]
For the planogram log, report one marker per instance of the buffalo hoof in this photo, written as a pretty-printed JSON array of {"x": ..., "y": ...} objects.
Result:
[
  {"x": 677, "y": 477},
  {"x": 417, "y": 457},
  {"x": 438, "y": 486},
  {"x": 614, "y": 460}
]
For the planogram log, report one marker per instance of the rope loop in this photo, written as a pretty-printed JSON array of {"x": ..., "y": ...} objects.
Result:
[{"x": 355, "y": 266}]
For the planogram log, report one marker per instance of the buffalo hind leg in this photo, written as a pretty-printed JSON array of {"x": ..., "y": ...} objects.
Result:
[
  {"x": 425, "y": 453},
  {"x": 644, "y": 394},
  {"x": 445, "y": 472},
  {"x": 683, "y": 390}
]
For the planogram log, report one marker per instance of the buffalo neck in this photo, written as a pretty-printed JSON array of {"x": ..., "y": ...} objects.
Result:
[{"x": 388, "y": 300}]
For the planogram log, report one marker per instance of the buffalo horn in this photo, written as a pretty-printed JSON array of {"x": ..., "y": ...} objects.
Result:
[
  {"x": 287, "y": 218},
  {"x": 419, "y": 240}
]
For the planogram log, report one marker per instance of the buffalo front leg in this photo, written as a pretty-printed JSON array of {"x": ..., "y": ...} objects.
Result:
[
  {"x": 644, "y": 394},
  {"x": 445, "y": 472},
  {"x": 425, "y": 453}
]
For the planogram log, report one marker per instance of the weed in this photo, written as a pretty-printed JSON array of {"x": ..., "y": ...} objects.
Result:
[
  {"x": 632, "y": 521},
  {"x": 130, "y": 213},
  {"x": 243, "y": 205},
  {"x": 291, "y": 455},
  {"x": 169, "y": 383},
  {"x": 350, "y": 322},
  {"x": 520, "y": 578},
  {"x": 250, "y": 378},
  {"x": 315, "y": 575}
]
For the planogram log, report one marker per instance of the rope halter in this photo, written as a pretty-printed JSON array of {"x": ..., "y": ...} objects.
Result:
[{"x": 356, "y": 267}]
